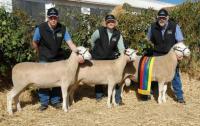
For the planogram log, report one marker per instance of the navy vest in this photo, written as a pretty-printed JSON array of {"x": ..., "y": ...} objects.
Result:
[
  {"x": 162, "y": 45},
  {"x": 105, "y": 49},
  {"x": 50, "y": 42}
]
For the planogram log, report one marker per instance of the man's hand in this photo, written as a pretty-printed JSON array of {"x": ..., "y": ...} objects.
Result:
[
  {"x": 72, "y": 46},
  {"x": 35, "y": 46}
]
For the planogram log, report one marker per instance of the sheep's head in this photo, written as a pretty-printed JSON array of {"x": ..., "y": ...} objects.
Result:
[
  {"x": 84, "y": 53},
  {"x": 131, "y": 53},
  {"x": 181, "y": 50}
]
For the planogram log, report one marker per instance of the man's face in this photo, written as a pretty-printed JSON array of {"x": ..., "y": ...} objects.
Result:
[
  {"x": 53, "y": 20},
  {"x": 110, "y": 24},
  {"x": 162, "y": 20}
]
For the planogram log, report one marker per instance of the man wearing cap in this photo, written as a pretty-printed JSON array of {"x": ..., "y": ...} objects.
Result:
[
  {"x": 107, "y": 43},
  {"x": 47, "y": 42},
  {"x": 164, "y": 33}
]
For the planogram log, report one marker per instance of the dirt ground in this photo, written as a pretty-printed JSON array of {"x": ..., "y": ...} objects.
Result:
[{"x": 87, "y": 112}]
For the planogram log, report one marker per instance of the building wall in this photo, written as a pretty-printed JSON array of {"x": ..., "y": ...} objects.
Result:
[{"x": 35, "y": 10}]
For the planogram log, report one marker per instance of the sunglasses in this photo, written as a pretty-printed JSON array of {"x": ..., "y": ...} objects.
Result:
[
  {"x": 162, "y": 18},
  {"x": 110, "y": 21},
  {"x": 53, "y": 18}
]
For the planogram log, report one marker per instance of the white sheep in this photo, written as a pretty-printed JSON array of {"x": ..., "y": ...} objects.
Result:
[
  {"x": 163, "y": 68},
  {"x": 105, "y": 72},
  {"x": 45, "y": 75}
]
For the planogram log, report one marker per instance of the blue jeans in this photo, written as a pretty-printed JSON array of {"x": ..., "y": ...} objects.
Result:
[
  {"x": 118, "y": 98},
  {"x": 177, "y": 85},
  {"x": 46, "y": 94},
  {"x": 99, "y": 93},
  {"x": 52, "y": 95}
]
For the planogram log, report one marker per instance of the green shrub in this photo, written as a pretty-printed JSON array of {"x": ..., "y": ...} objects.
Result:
[
  {"x": 134, "y": 29},
  {"x": 188, "y": 16},
  {"x": 15, "y": 38},
  {"x": 16, "y": 33}
]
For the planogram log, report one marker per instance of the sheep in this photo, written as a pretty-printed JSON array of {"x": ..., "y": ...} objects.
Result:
[
  {"x": 45, "y": 75},
  {"x": 163, "y": 68},
  {"x": 105, "y": 72}
]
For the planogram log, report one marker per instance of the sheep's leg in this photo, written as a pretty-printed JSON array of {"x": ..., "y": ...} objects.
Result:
[
  {"x": 10, "y": 96},
  {"x": 71, "y": 93},
  {"x": 67, "y": 101},
  {"x": 160, "y": 88},
  {"x": 164, "y": 93},
  {"x": 9, "y": 103},
  {"x": 71, "y": 96},
  {"x": 16, "y": 99},
  {"x": 113, "y": 96},
  {"x": 122, "y": 90},
  {"x": 64, "y": 95},
  {"x": 110, "y": 90},
  {"x": 127, "y": 82}
]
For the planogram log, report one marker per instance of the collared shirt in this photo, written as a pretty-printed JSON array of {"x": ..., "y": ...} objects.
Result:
[
  {"x": 37, "y": 36},
  {"x": 178, "y": 34},
  {"x": 96, "y": 35}
]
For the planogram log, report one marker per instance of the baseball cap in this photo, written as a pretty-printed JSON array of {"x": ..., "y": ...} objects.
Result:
[
  {"x": 52, "y": 12},
  {"x": 109, "y": 17},
  {"x": 162, "y": 13}
]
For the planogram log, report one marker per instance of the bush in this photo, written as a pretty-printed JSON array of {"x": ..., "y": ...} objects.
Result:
[
  {"x": 16, "y": 33},
  {"x": 80, "y": 26},
  {"x": 134, "y": 29},
  {"x": 15, "y": 38},
  {"x": 188, "y": 17}
]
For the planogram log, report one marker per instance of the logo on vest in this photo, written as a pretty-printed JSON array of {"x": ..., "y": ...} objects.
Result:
[
  {"x": 59, "y": 34},
  {"x": 114, "y": 39},
  {"x": 169, "y": 32}
]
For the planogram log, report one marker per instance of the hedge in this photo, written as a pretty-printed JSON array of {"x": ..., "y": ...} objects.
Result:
[{"x": 17, "y": 30}]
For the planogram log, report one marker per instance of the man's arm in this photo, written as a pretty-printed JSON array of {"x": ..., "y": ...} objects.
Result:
[
  {"x": 36, "y": 39},
  {"x": 69, "y": 42},
  {"x": 72, "y": 46},
  {"x": 35, "y": 46},
  {"x": 120, "y": 45},
  {"x": 94, "y": 37},
  {"x": 178, "y": 34},
  {"x": 149, "y": 34}
]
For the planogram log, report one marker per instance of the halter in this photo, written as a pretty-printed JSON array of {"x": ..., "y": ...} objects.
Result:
[
  {"x": 129, "y": 54},
  {"x": 82, "y": 53},
  {"x": 182, "y": 51}
]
